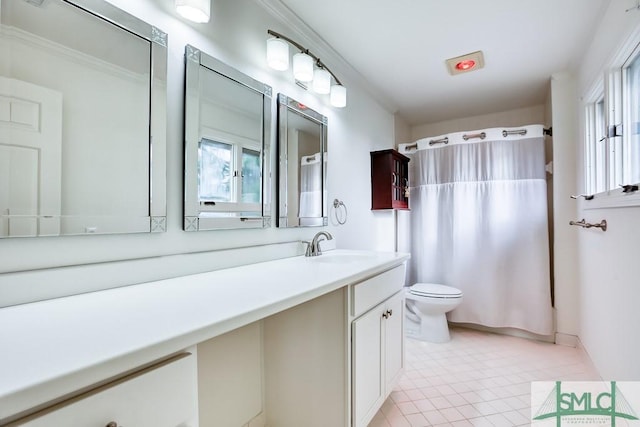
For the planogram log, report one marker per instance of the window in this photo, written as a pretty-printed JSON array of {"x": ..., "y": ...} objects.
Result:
[
  {"x": 214, "y": 172},
  {"x": 596, "y": 158},
  {"x": 631, "y": 107},
  {"x": 612, "y": 129},
  {"x": 229, "y": 177}
]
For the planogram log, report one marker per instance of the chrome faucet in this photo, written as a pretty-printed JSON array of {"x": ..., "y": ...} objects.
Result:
[{"x": 313, "y": 247}]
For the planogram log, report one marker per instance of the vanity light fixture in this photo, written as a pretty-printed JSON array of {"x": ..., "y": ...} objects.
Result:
[
  {"x": 306, "y": 68},
  {"x": 198, "y": 11}
]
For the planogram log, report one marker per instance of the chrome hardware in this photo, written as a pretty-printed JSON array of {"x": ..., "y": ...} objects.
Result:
[
  {"x": 313, "y": 248},
  {"x": 385, "y": 314},
  {"x": 338, "y": 207},
  {"x": 586, "y": 196},
  {"x": 629, "y": 188},
  {"x": 444, "y": 140},
  {"x": 582, "y": 223},
  {"x": 390, "y": 313},
  {"x": 481, "y": 135},
  {"x": 521, "y": 132}
]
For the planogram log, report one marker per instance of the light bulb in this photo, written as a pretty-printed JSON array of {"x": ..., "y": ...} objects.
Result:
[
  {"x": 197, "y": 11},
  {"x": 302, "y": 67},
  {"x": 277, "y": 54},
  {"x": 321, "y": 81},
  {"x": 338, "y": 96}
]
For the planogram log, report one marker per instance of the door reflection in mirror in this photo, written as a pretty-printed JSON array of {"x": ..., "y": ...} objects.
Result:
[
  {"x": 227, "y": 125},
  {"x": 302, "y": 169},
  {"x": 77, "y": 90}
]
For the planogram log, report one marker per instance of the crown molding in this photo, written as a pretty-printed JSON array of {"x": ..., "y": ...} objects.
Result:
[{"x": 309, "y": 37}]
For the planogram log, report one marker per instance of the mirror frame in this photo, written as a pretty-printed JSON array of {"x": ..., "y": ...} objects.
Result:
[
  {"x": 286, "y": 106},
  {"x": 158, "y": 53},
  {"x": 195, "y": 59}
]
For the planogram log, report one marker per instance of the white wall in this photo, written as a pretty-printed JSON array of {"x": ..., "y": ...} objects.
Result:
[
  {"x": 510, "y": 118},
  {"x": 564, "y": 118},
  {"x": 237, "y": 36},
  {"x": 609, "y": 291}
]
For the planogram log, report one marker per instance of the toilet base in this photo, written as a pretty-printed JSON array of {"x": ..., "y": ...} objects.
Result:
[{"x": 431, "y": 328}]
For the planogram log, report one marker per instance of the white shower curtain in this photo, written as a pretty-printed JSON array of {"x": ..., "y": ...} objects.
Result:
[
  {"x": 479, "y": 223},
  {"x": 310, "y": 186}
]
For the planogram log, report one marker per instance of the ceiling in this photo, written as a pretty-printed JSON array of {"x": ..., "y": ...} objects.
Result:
[{"x": 400, "y": 46}]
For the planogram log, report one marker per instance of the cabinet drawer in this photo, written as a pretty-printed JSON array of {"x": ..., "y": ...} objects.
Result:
[
  {"x": 164, "y": 395},
  {"x": 372, "y": 291}
]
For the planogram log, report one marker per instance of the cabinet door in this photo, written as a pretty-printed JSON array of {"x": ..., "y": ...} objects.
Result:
[
  {"x": 159, "y": 397},
  {"x": 367, "y": 386},
  {"x": 393, "y": 341}
]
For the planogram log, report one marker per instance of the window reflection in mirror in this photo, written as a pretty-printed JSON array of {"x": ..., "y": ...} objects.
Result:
[
  {"x": 227, "y": 126},
  {"x": 302, "y": 171},
  {"x": 76, "y": 99}
]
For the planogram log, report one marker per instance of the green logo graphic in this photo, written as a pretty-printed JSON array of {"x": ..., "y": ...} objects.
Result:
[{"x": 588, "y": 405}]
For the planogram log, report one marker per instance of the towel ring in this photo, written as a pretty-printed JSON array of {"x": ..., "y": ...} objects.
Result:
[{"x": 337, "y": 204}]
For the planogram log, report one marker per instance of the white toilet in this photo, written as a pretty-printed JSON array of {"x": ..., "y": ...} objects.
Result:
[{"x": 427, "y": 305}]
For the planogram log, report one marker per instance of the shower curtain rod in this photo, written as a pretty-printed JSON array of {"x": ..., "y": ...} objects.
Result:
[{"x": 481, "y": 135}]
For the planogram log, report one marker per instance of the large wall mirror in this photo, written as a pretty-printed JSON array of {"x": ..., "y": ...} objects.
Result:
[
  {"x": 226, "y": 159},
  {"x": 82, "y": 109},
  {"x": 302, "y": 169}
]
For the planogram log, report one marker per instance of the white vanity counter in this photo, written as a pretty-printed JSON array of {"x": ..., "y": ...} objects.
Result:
[{"x": 54, "y": 347}]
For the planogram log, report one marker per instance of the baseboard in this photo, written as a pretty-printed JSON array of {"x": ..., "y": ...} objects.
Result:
[
  {"x": 566, "y": 340},
  {"x": 586, "y": 357},
  {"x": 514, "y": 332}
]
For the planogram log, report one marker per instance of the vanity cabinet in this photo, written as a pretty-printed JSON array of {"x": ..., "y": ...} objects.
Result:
[
  {"x": 164, "y": 395},
  {"x": 288, "y": 343},
  {"x": 377, "y": 344},
  {"x": 389, "y": 180}
]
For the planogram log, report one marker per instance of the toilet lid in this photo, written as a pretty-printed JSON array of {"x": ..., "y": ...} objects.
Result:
[{"x": 435, "y": 291}]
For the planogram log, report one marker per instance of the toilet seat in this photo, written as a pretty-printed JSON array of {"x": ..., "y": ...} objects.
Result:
[{"x": 432, "y": 290}]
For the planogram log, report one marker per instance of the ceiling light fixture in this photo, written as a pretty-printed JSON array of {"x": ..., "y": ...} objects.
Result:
[
  {"x": 465, "y": 63},
  {"x": 303, "y": 68},
  {"x": 198, "y": 11}
]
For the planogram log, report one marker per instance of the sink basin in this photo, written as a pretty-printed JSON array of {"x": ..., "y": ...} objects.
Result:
[{"x": 342, "y": 258}]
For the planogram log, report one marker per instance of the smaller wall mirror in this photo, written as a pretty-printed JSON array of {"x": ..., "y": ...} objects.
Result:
[
  {"x": 302, "y": 169},
  {"x": 226, "y": 161}
]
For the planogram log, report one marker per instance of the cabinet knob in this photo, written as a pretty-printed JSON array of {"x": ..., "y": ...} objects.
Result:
[
  {"x": 390, "y": 313},
  {"x": 385, "y": 314},
  {"x": 112, "y": 424}
]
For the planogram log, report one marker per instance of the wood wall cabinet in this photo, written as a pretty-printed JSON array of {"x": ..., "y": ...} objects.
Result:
[{"x": 389, "y": 180}]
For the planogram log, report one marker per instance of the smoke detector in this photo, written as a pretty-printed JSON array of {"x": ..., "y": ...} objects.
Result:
[{"x": 465, "y": 63}]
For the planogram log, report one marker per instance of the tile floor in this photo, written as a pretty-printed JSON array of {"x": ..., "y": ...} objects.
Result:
[{"x": 476, "y": 379}]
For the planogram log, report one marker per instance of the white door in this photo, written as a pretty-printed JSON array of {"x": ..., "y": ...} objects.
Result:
[
  {"x": 368, "y": 387},
  {"x": 30, "y": 159}
]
